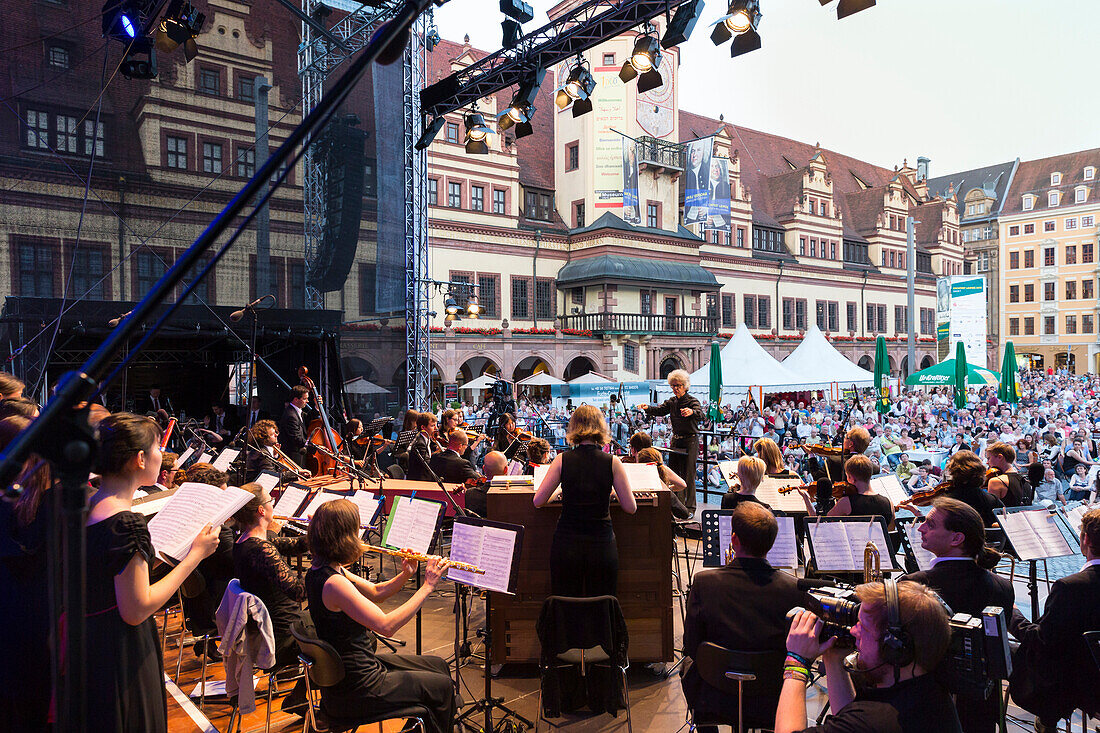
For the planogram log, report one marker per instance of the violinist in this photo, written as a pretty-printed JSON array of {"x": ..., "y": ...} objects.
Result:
[
  {"x": 423, "y": 445},
  {"x": 831, "y": 467},
  {"x": 449, "y": 465},
  {"x": 508, "y": 439},
  {"x": 750, "y": 471},
  {"x": 453, "y": 419},
  {"x": 352, "y": 431},
  {"x": 1006, "y": 483},
  {"x": 684, "y": 413},
  {"x": 967, "y": 474},
  {"x": 858, "y": 499},
  {"x": 768, "y": 451}
]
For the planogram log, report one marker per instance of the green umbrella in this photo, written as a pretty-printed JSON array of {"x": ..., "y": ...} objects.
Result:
[
  {"x": 715, "y": 411},
  {"x": 1007, "y": 391},
  {"x": 960, "y": 375},
  {"x": 943, "y": 375},
  {"x": 882, "y": 370}
]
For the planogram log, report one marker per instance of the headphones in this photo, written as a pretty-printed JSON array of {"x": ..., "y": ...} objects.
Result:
[{"x": 897, "y": 644}]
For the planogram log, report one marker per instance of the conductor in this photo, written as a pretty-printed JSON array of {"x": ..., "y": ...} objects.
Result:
[{"x": 684, "y": 413}]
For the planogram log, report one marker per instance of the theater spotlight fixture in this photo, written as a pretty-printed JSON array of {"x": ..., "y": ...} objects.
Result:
[
  {"x": 577, "y": 89},
  {"x": 431, "y": 38},
  {"x": 140, "y": 61},
  {"x": 518, "y": 13},
  {"x": 473, "y": 307},
  {"x": 430, "y": 131},
  {"x": 682, "y": 24},
  {"x": 643, "y": 63},
  {"x": 450, "y": 305},
  {"x": 522, "y": 107},
  {"x": 741, "y": 21},
  {"x": 181, "y": 25},
  {"x": 121, "y": 20},
  {"x": 477, "y": 133},
  {"x": 849, "y": 7}
]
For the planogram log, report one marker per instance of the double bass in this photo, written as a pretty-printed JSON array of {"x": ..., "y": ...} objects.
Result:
[{"x": 326, "y": 442}]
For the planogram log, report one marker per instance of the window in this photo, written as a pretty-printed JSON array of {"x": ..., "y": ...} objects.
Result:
[
  {"x": 832, "y": 250},
  {"x": 477, "y": 198},
  {"x": 1048, "y": 256},
  {"x": 1029, "y": 228},
  {"x": 1014, "y": 230},
  {"x": 652, "y": 220},
  {"x": 246, "y": 88},
  {"x": 521, "y": 310},
  {"x": 38, "y": 130},
  {"x": 488, "y": 288},
  {"x": 1049, "y": 292},
  {"x": 609, "y": 59},
  {"x": 1048, "y": 226},
  {"x": 893, "y": 259},
  {"x": 630, "y": 357},
  {"x": 1029, "y": 326},
  {"x": 66, "y": 134},
  {"x": 1087, "y": 221},
  {"x": 148, "y": 267},
  {"x": 740, "y": 236},
  {"x": 763, "y": 311},
  {"x": 645, "y": 302},
  {"x": 88, "y": 270},
  {"x": 572, "y": 156},
  {"x": 1029, "y": 203},
  {"x": 1052, "y": 198},
  {"x": 433, "y": 191},
  {"x": 498, "y": 200},
  {"x": 37, "y": 267},
  {"x": 89, "y": 125},
  {"x": 1070, "y": 223},
  {"x": 452, "y": 132},
  {"x": 454, "y": 194},
  {"x": 177, "y": 153},
  {"x": 1090, "y": 172},
  {"x": 1071, "y": 289},
  {"x": 901, "y": 318},
  {"x": 1029, "y": 258},
  {"x": 1013, "y": 326},
  {"x": 927, "y": 321},
  {"x": 1055, "y": 178},
  {"x": 1087, "y": 288},
  {"x": 57, "y": 57},
  {"x": 212, "y": 157},
  {"x": 728, "y": 311},
  {"x": 1071, "y": 324},
  {"x": 545, "y": 300},
  {"x": 210, "y": 82},
  {"x": 853, "y": 316},
  {"x": 578, "y": 215},
  {"x": 1014, "y": 260},
  {"x": 1079, "y": 195},
  {"x": 800, "y": 314},
  {"x": 1048, "y": 325},
  {"x": 750, "y": 311},
  {"x": 802, "y": 246},
  {"x": 296, "y": 284},
  {"x": 813, "y": 248},
  {"x": 821, "y": 310},
  {"x": 712, "y": 305},
  {"x": 788, "y": 313},
  {"x": 983, "y": 261},
  {"x": 1013, "y": 293},
  {"x": 1086, "y": 323},
  {"x": 537, "y": 205},
  {"x": 1029, "y": 292},
  {"x": 246, "y": 162},
  {"x": 1071, "y": 254}
]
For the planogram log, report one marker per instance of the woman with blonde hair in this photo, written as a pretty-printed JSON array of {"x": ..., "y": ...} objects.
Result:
[
  {"x": 768, "y": 451},
  {"x": 684, "y": 413},
  {"x": 584, "y": 559},
  {"x": 750, "y": 472}
]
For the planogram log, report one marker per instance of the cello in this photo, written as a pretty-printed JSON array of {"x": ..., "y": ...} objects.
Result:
[{"x": 326, "y": 441}]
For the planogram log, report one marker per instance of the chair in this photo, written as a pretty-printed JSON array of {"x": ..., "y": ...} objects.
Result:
[
  {"x": 583, "y": 633},
  {"x": 193, "y": 587},
  {"x": 324, "y": 668},
  {"x": 754, "y": 675}
]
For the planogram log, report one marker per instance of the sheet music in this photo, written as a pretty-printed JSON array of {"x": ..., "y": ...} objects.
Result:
[
  {"x": 203, "y": 458},
  {"x": 728, "y": 469},
  {"x": 489, "y": 548},
  {"x": 643, "y": 477},
  {"x": 411, "y": 524},
  {"x": 923, "y": 557},
  {"x": 150, "y": 505},
  {"x": 320, "y": 498},
  {"x": 540, "y": 474},
  {"x": 839, "y": 546},
  {"x": 290, "y": 500},
  {"x": 889, "y": 485},
  {"x": 1034, "y": 534},
  {"x": 189, "y": 510},
  {"x": 367, "y": 504},
  {"x": 184, "y": 456},
  {"x": 268, "y": 480},
  {"x": 784, "y": 553},
  {"x": 225, "y": 458},
  {"x": 768, "y": 492}
]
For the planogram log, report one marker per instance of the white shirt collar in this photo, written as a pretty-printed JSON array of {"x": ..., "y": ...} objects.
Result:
[
  {"x": 937, "y": 560},
  {"x": 1090, "y": 563},
  {"x": 296, "y": 409}
]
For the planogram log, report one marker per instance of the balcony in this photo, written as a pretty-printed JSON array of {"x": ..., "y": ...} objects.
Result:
[
  {"x": 641, "y": 324},
  {"x": 660, "y": 154}
]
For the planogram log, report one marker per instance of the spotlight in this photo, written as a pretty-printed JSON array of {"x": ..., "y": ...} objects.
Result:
[
  {"x": 849, "y": 7},
  {"x": 140, "y": 61},
  {"x": 577, "y": 89},
  {"x": 683, "y": 23},
  {"x": 473, "y": 307},
  {"x": 430, "y": 131},
  {"x": 741, "y": 20},
  {"x": 121, "y": 20},
  {"x": 431, "y": 38},
  {"x": 181, "y": 25},
  {"x": 522, "y": 108},
  {"x": 643, "y": 63},
  {"x": 450, "y": 305},
  {"x": 518, "y": 13},
  {"x": 476, "y": 133}
]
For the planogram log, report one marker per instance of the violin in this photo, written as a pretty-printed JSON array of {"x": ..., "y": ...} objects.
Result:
[
  {"x": 820, "y": 449},
  {"x": 924, "y": 497},
  {"x": 373, "y": 441},
  {"x": 840, "y": 489}
]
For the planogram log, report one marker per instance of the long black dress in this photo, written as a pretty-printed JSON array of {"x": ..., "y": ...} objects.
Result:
[
  {"x": 584, "y": 560},
  {"x": 125, "y": 676},
  {"x": 263, "y": 572},
  {"x": 374, "y": 683}
]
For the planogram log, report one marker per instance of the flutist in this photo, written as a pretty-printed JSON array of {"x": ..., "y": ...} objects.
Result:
[{"x": 684, "y": 413}]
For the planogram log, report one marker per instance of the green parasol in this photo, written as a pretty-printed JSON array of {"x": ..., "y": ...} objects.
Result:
[
  {"x": 1007, "y": 392},
  {"x": 943, "y": 375},
  {"x": 882, "y": 370},
  {"x": 715, "y": 411},
  {"x": 960, "y": 375}
]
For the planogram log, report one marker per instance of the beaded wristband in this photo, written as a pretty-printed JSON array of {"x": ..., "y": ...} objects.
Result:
[
  {"x": 791, "y": 674},
  {"x": 799, "y": 658}
]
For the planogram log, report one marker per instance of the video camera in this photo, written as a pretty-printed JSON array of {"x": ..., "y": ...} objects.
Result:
[{"x": 977, "y": 655}]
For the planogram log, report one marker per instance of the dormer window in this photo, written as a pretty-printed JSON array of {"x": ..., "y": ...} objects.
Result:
[
  {"x": 1080, "y": 194},
  {"x": 1055, "y": 179},
  {"x": 1029, "y": 202},
  {"x": 1090, "y": 172},
  {"x": 1052, "y": 198}
]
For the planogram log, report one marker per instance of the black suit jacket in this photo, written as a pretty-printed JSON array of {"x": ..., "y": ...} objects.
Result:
[
  {"x": 1053, "y": 653},
  {"x": 741, "y": 606},
  {"x": 145, "y": 404},
  {"x": 452, "y": 467},
  {"x": 292, "y": 434},
  {"x": 966, "y": 587}
]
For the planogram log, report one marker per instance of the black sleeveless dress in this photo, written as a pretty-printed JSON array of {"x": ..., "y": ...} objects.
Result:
[
  {"x": 374, "y": 683},
  {"x": 584, "y": 560},
  {"x": 865, "y": 505}
]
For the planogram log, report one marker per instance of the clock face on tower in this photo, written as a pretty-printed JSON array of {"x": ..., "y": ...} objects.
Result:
[{"x": 655, "y": 108}]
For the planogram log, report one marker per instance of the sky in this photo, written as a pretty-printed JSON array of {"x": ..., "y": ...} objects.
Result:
[{"x": 966, "y": 83}]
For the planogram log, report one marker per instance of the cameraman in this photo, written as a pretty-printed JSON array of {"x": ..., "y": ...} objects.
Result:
[{"x": 896, "y": 695}]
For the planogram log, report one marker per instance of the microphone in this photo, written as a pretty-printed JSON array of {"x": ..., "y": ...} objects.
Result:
[
  {"x": 117, "y": 320},
  {"x": 238, "y": 315}
]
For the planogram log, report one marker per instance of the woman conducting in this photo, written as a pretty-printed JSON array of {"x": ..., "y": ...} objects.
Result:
[
  {"x": 684, "y": 412},
  {"x": 584, "y": 560}
]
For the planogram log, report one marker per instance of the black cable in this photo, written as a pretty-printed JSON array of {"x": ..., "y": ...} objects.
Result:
[
  {"x": 55, "y": 34},
  {"x": 57, "y": 76}
]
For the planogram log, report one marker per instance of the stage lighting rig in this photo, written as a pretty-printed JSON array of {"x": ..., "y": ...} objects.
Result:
[
  {"x": 450, "y": 305},
  {"x": 643, "y": 62},
  {"x": 477, "y": 133},
  {"x": 473, "y": 307},
  {"x": 140, "y": 61},
  {"x": 522, "y": 108},
  {"x": 181, "y": 25},
  {"x": 518, "y": 13},
  {"x": 741, "y": 21},
  {"x": 122, "y": 19},
  {"x": 849, "y": 7},
  {"x": 682, "y": 24},
  {"x": 577, "y": 89}
]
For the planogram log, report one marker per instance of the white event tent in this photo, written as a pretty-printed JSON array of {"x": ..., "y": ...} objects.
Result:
[
  {"x": 591, "y": 378},
  {"x": 819, "y": 364}
]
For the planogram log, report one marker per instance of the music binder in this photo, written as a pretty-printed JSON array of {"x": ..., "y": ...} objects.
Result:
[
  {"x": 717, "y": 530},
  {"x": 225, "y": 459},
  {"x": 837, "y": 543},
  {"x": 1033, "y": 533},
  {"x": 911, "y": 542},
  {"x": 268, "y": 479},
  {"x": 412, "y": 524},
  {"x": 291, "y": 500},
  {"x": 491, "y": 546},
  {"x": 191, "y": 508}
]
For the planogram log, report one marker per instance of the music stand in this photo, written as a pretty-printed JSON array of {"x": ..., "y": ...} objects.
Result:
[
  {"x": 403, "y": 440},
  {"x": 1034, "y": 534},
  {"x": 716, "y": 532},
  {"x": 911, "y": 544},
  {"x": 485, "y": 543},
  {"x": 838, "y": 543}
]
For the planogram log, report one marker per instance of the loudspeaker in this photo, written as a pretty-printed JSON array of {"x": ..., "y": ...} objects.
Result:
[{"x": 342, "y": 149}]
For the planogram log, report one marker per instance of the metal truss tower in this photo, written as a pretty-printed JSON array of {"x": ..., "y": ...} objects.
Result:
[{"x": 317, "y": 57}]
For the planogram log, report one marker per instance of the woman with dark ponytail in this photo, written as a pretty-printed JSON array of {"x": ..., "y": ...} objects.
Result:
[{"x": 954, "y": 532}]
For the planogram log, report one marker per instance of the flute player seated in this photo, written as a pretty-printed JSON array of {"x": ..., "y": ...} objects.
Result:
[{"x": 345, "y": 613}]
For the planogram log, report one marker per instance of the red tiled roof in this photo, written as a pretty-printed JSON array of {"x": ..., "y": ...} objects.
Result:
[{"x": 1033, "y": 176}]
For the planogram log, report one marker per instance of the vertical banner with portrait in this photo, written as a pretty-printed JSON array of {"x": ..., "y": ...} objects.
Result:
[
  {"x": 719, "y": 217},
  {"x": 697, "y": 180},
  {"x": 632, "y": 210}
]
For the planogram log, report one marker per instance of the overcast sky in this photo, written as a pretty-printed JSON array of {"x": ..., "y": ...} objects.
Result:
[{"x": 965, "y": 82}]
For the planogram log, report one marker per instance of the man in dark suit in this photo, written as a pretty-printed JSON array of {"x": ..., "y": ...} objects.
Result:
[
  {"x": 154, "y": 401},
  {"x": 255, "y": 412},
  {"x": 292, "y": 428},
  {"x": 449, "y": 465},
  {"x": 223, "y": 422},
  {"x": 1053, "y": 671},
  {"x": 953, "y": 531},
  {"x": 743, "y": 607}
]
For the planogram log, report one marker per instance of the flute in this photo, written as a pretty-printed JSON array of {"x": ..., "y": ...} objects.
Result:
[
  {"x": 305, "y": 520},
  {"x": 424, "y": 558}
]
